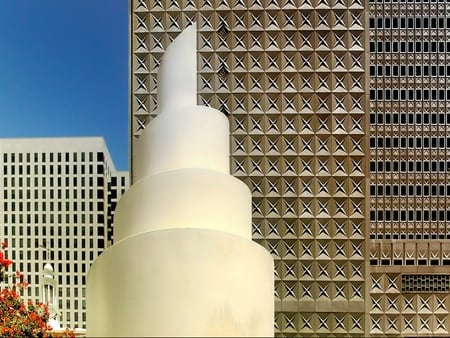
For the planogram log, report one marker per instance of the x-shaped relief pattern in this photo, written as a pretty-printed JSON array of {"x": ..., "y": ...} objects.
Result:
[
  {"x": 402, "y": 305},
  {"x": 289, "y": 75}
]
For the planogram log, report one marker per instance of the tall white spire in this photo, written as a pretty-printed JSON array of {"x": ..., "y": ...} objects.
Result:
[
  {"x": 183, "y": 135},
  {"x": 183, "y": 262},
  {"x": 177, "y": 74}
]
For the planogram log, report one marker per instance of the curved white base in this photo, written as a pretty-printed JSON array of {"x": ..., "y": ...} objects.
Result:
[
  {"x": 181, "y": 282},
  {"x": 185, "y": 198}
]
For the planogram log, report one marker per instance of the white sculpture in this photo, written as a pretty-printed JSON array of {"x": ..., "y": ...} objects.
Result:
[
  {"x": 183, "y": 262},
  {"x": 49, "y": 286}
]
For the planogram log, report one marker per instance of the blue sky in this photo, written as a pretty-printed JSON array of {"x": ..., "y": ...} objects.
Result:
[{"x": 64, "y": 70}]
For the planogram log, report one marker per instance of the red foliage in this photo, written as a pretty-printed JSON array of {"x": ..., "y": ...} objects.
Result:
[
  {"x": 18, "y": 319},
  {"x": 4, "y": 262}
]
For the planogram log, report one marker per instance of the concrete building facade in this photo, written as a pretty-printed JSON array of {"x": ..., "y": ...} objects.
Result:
[
  {"x": 58, "y": 197},
  {"x": 409, "y": 167},
  {"x": 291, "y": 76}
]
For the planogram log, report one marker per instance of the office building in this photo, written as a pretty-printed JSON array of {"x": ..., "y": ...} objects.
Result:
[
  {"x": 409, "y": 69},
  {"x": 58, "y": 196},
  {"x": 291, "y": 76}
]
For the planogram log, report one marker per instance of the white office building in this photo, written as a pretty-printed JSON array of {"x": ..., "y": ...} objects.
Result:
[{"x": 57, "y": 206}]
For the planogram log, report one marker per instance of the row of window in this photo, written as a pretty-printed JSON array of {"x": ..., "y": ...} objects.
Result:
[
  {"x": 53, "y": 169},
  {"x": 73, "y": 303},
  {"x": 410, "y": 190},
  {"x": 51, "y": 157},
  {"x": 58, "y": 243},
  {"x": 408, "y": 47},
  {"x": 409, "y": 142},
  {"x": 409, "y": 215},
  {"x": 410, "y": 118},
  {"x": 54, "y": 255},
  {"x": 73, "y": 319},
  {"x": 51, "y": 230},
  {"x": 409, "y": 70},
  {"x": 411, "y": 235},
  {"x": 54, "y": 182},
  {"x": 409, "y": 22},
  {"x": 53, "y": 206},
  {"x": 52, "y": 218},
  {"x": 42, "y": 194},
  {"x": 409, "y": 166},
  {"x": 114, "y": 181},
  {"x": 70, "y": 267},
  {"x": 410, "y": 94},
  {"x": 409, "y": 261},
  {"x": 70, "y": 280},
  {"x": 74, "y": 292}
]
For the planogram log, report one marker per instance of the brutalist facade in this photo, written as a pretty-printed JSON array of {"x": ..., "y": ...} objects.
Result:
[
  {"x": 409, "y": 167},
  {"x": 291, "y": 76}
]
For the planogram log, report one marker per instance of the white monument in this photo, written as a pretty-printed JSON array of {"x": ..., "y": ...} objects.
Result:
[
  {"x": 49, "y": 287},
  {"x": 183, "y": 262}
]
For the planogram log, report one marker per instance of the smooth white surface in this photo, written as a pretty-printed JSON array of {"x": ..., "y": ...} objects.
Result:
[
  {"x": 197, "y": 138},
  {"x": 183, "y": 263},
  {"x": 177, "y": 73},
  {"x": 185, "y": 198},
  {"x": 181, "y": 282}
]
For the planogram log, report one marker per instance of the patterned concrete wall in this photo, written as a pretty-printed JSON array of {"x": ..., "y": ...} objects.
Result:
[
  {"x": 409, "y": 255},
  {"x": 290, "y": 74}
]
